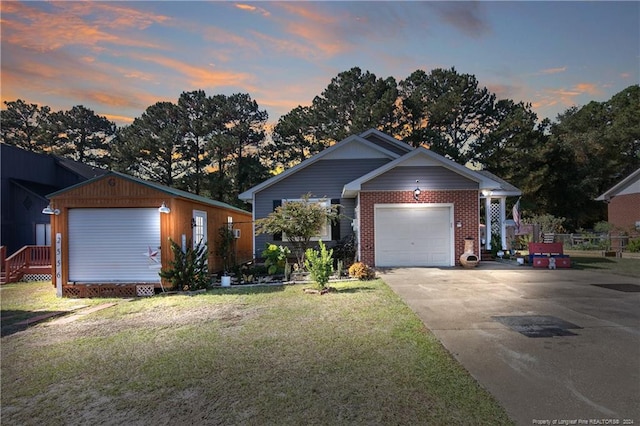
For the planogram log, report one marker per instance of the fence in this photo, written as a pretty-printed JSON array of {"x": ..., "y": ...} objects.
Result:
[{"x": 593, "y": 241}]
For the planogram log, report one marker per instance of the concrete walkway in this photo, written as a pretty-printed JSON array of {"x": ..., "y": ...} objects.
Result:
[{"x": 549, "y": 345}]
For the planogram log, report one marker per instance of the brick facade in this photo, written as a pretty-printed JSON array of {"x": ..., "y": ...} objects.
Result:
[
  {"x": 466, "y": 210},
  {"x": 624, "y": 212}
]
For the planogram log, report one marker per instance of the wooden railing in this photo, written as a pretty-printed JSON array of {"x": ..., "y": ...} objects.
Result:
[
  {"x": 3, "y": 256},
  {"x": 27, "y": 257}
]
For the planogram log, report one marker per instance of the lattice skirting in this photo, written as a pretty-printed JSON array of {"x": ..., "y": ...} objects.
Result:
[
  {"x": 107, "y": 290},
  {"x": 36, "y": 277},
  {"x": 145, "y": 290}
]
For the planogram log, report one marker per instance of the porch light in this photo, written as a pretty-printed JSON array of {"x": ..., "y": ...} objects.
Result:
[
  {"x": 50, "y": 210},
  {"x": 487, "y": 192},
  {"x": 417, "y": 191},
  {"x": 164, "y": 209}
]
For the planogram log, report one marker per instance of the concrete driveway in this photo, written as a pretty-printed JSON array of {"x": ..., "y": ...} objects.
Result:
[{"x": 550, "y": 345}]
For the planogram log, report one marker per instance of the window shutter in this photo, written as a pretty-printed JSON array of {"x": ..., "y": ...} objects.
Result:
[
  {"x": 276, "y": 204},
  {"x": 335, "y": 226}
]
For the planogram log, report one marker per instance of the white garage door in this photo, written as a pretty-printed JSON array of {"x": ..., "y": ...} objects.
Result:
[
  {"x": 413, "y": 235},
  {"x": 111, "y": 245}
]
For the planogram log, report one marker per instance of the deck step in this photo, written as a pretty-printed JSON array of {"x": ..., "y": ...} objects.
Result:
[{"x": 486, "y": 256}]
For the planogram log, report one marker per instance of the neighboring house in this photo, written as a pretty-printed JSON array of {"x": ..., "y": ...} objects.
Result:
[
  {"x": 623, "y": 208},
  {"x": 113, "y": 234},
  {"x": 405, "y": 206},
  {"x": 27, "y": 178}
]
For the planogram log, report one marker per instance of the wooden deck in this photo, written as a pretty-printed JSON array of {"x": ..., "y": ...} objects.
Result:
[{"x": 28, "y": 261}]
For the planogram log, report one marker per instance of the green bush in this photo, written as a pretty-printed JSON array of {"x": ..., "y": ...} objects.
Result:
[
  {"x": 319, "y": 264},
  {"x": 634, "y": 246},
  {"x": 188, "y": 270},
  {"x": 276, "y": 258}
]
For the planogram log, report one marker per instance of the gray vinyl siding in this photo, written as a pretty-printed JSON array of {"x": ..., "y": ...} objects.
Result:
[
  {"x": 430, "y": 177},
  {"x": 323, "y": 179}
]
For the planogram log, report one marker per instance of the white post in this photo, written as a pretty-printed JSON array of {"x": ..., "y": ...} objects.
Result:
[
  {"x": 503, "y": 219},
  {"x": 487, "y": 212},
  {"x": 59, "y": 264}
]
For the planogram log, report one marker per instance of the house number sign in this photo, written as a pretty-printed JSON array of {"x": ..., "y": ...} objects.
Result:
[{"x": 59, "y": 264}]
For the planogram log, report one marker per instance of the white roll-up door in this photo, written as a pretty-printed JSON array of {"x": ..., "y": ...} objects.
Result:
[
  {"x": 413, "y": 235},
  {"x": 114, "y": 245}
]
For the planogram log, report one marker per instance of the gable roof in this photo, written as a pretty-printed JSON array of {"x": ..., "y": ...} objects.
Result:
[
  {"x": 330, "y": 153},
  {"x": 423, "y": 156},
  {"x": 620, "y": 186},
  {"x": 387, "y": 141},
  {"x": 154, "y": 185},
  {"x": 79, "y": 168},
  {"x": 505, "y": 187}
]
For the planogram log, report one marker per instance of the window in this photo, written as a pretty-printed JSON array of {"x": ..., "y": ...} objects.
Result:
[
  {"x": 199, "y": 227},
  {"x": 43, "y": 234},
  {"x": 325, "y": 231}
]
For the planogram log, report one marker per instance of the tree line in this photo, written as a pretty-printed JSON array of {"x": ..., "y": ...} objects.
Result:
[{"x": 219, "y": 146}]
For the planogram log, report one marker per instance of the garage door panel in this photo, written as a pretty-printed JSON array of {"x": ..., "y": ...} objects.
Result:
[
  {"x": 413, "y": 236},
  {"x": 108, "y": 245}
]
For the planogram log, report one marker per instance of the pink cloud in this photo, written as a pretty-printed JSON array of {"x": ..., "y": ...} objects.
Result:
[
  {"x": 201, "y": 77},
  {"x": 71, "y": 23},
  {"x": 552, "y": 70},
  {"x": 590, "y": 88},
  {"x": 251, "y": 8}
]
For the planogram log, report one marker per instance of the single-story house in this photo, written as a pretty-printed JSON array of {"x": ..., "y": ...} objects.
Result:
[
  {"x": 623, "y": 208},
  {"x": 112, "y": 234},
  {"x": 405, "y": 206}
]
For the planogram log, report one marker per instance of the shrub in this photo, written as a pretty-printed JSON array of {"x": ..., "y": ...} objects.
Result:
[
  {"x": 345, "y": 249},
  {"x": 361, "y": 271},
  {"x": 549, "y": 224},
  {"x": 188, "y": 270},
  {"x": 634, "y": 246},
  {"x": 226, "y": 247},
  {"x": 319, "y": 264},
  {"x": 276, "y": 257}
]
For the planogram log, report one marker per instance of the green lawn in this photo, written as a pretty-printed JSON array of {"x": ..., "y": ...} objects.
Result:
[
  {"x": 261, "y": 355},
  {"x": 619, "y": 266}
]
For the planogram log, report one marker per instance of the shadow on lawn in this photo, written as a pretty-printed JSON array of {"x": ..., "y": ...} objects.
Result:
[
  {"x": 355, "y": 289},
  {"x": 247, "y": 289},
  {"x": 14, "y": 321},
  {"x": 582, "y": 263}
]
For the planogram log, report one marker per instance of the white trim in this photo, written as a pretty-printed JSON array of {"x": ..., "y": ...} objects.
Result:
[
  {"x": 616, "y": 189},
  {"x": 58, "y": 260},
  {"x": 352, "y": 188},
  {"x": 503, "y": 224},
  {"x": 199, "y": 216},
  {"x": 398, "y": 143},
  {"x": 422, "y": 206},
  {"x": 248, "y": 194}
]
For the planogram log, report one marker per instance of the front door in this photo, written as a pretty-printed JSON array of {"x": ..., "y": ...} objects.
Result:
[{"x": 199, "y": 227}]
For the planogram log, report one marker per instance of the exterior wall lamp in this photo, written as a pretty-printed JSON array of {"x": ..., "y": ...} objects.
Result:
[
  {"x": 417, "y": 191},
  {"x": 487, "y": 192},
  {"x": 164, "y": 209},
  {"x": 50, "y": 210}
]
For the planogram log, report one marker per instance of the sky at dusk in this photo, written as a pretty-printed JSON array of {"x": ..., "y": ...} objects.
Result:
[{"x": 118, "y": 58}]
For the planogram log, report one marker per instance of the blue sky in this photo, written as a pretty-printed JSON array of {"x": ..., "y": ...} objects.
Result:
[{"x": 118, "y": 58}]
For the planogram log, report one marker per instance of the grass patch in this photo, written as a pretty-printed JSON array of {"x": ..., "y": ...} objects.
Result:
[
  {"x": 619, "y": 266},
  {"x": 242, "y": 356},
  {"x": 24, "y": 300}
]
